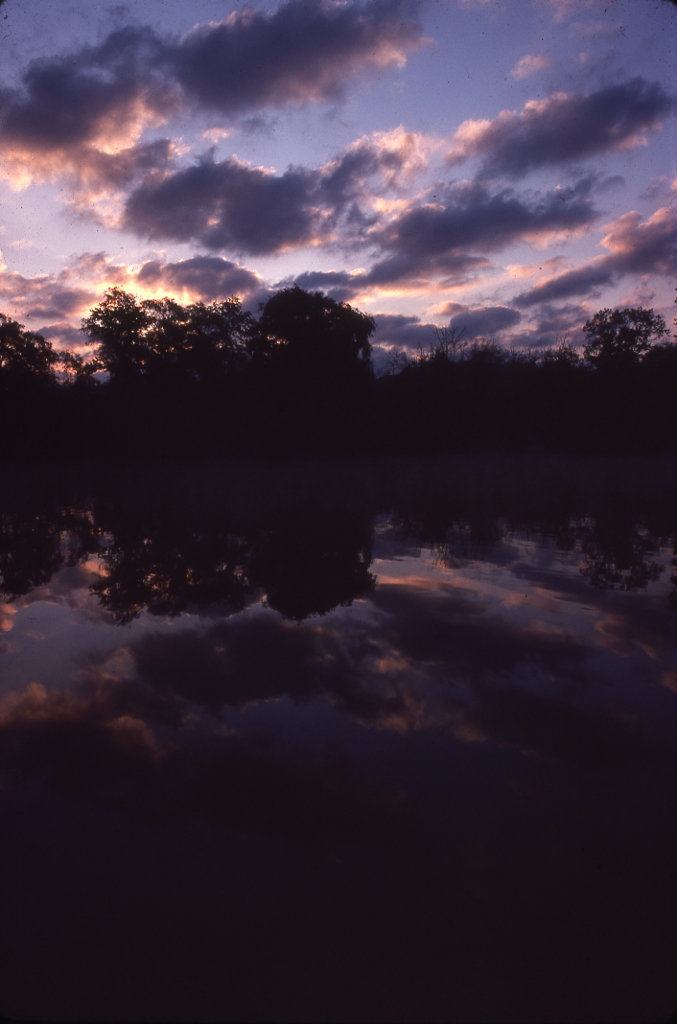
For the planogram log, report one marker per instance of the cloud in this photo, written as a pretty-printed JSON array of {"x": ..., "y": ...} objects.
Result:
[
  {"x": 395, "y": 156},
  {"x": 228, "y": 204},
  {"x": 303, "y": 52},
  {"x": 634, "y": 247},
  {"x": 62, "y": 298},
  {"x": 529, "y": 65},
  {"x": 209, "y": 277},
  {"x": 44, "y": 297},
  {"x": 564, "y": 127},
  {"x": 84, "y": 113},
  {"x": 340, "y": 285},
  {"x": 555, "y": 323},
  {"x": 414, "y": 269},
  {"x": 80, "y": 98},
  {"x": 468, "y": 217},
  {"x": 431, "y": 242},
  {"x": 63, "y": 335},
  {"x": 401, "y": 273},
  {"x": 407, "y": 332},
  {"x": 481, "y": 321}
]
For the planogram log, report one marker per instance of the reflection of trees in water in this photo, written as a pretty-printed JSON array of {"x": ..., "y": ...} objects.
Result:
[
  {"x": 166, "y": 575},
  {"x": 173, "y": 546},
  {"x": 29, "y": 552},
  {"x": 313, "y": 557},
  {"x": 618, "y": 514},
  {"x": 301, "y": 534},
  {"x": 307, "y": 554},
  {"x": 673, "y": 581},
  {"x": 619, "y": 555},
  {"x": 37, "y": 538}
]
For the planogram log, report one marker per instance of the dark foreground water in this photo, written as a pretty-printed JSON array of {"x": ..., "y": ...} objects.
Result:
[{"x": 340, "y": 741}]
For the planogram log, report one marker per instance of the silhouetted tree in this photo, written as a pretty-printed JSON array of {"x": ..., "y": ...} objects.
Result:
[
  {"x": 312, "y": 359},
  {"x": 317, "y": 328},
  {"x": 118, "y": 325},
  {"x": 28, "y": 390},
  {"x": 24, "y": 356},
  {"x": 621, "y": 337},
  {"x": 200, "y": 342}
]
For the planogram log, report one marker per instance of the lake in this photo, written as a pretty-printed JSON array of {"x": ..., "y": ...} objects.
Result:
[{"x": 340, "y": 740}]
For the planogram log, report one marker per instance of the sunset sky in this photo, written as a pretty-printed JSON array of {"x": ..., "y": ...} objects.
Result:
[{"x": 509, "y": 167}]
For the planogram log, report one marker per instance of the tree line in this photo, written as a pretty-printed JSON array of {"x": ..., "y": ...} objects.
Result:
[{"x": 212, "y": 378}]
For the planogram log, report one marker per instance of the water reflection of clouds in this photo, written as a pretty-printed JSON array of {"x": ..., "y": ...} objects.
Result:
[
  {"x": 440, "y": 660},
  {"x": 129, "y": 747},
  {"x": 504, "y": 652},
  {"x": 7, "y": 613},
  {"x": 465, "y": 766}
]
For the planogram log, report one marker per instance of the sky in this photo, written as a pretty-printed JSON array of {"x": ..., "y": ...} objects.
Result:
[{"x": 506, "y": 168}]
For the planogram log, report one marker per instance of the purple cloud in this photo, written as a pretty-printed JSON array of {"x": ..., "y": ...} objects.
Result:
[
  {"x": 227, "y": 205},
  {"x": 562, "y": 128},
  {"x": 634, "y": 248},
  {"x": 484, "y": 321},
  {"x": 303, "y": 52},
  {"x": 208, "y": 276}
]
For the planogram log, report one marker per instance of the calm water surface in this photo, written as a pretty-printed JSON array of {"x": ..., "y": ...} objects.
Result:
[{"x": 340, "y": 742}]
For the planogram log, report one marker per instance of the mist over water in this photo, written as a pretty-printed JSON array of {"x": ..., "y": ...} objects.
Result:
[{"x": 340, "y": 740}]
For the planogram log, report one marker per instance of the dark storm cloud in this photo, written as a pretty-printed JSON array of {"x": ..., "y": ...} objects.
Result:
[
  {"x": 227, "y": 205},
  {"x": 562, "y": 128},
  {"x": 351, "y": 169},
  {"x": 302, "y": 52},
  {"x": 82, "y": 115},
  {"x": 209, "y": 276},
  {"x": 634, "y": 248},
  {"x": 409, "y": 270}
]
